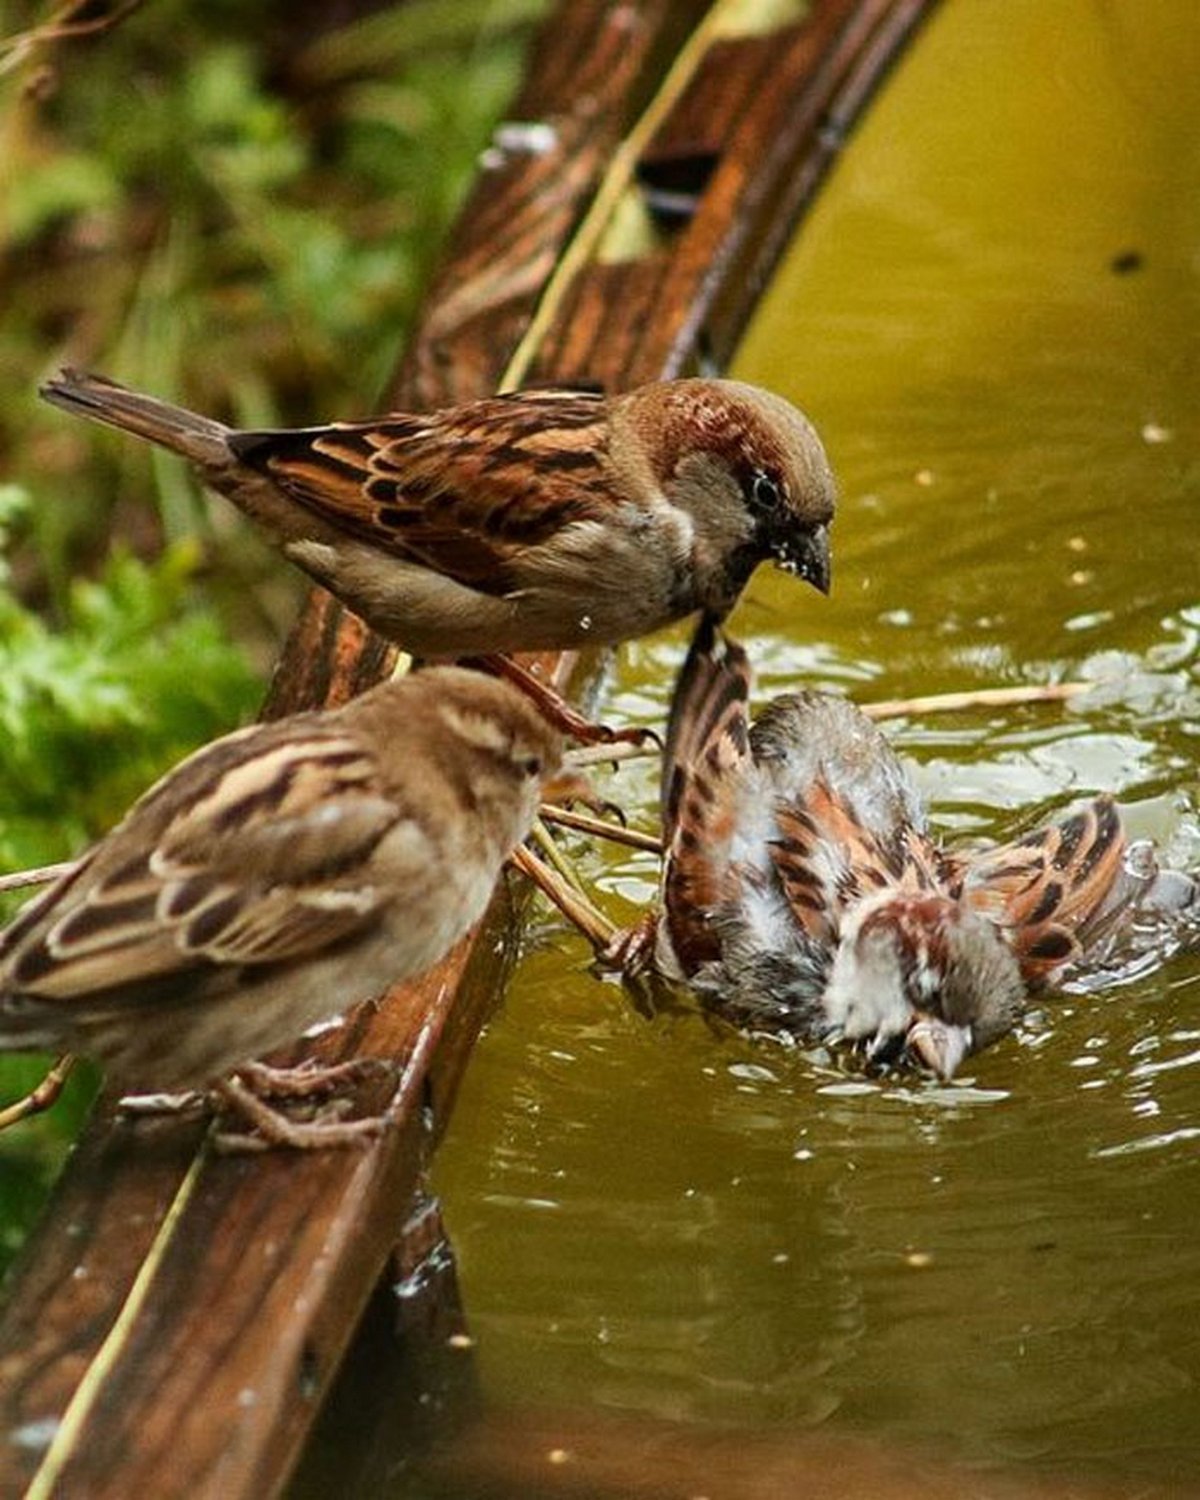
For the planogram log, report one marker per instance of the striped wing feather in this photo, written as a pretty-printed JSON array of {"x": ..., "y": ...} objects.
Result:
[
  {"x": 826, "y": 860},
  {"x": 252, "y": 852},
  {"x": 707, "y": 745},
  {"x": 1051, "y": 889},
  {"x": 463, "y": 491}
]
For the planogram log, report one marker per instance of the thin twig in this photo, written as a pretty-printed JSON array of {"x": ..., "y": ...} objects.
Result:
[
  {"x": 634, "y": 838},
  {"x": 1006, "y": 697},
  {"x": 40, "y": 875},
  {"x": 62, "y": 28},
  {"x": 573, "y": 904},
  {"x": 554, "y": 856},
  {"x": 42, "y": 1097},
  {"x": 600, "y": 755}
]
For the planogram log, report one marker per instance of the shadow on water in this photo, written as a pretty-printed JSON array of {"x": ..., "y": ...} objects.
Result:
[{"x": 667, "y": 1229}]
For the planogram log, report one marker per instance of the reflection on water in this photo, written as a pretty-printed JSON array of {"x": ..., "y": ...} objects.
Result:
[{"x": 992, "y": 319}]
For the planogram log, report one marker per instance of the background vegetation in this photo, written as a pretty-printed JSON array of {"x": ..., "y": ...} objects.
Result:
[{"x": 234, "y": 205}]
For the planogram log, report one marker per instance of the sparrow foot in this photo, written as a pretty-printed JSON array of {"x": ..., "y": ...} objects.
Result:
[
  {"x": 555, "y": 708},
  {"x": 310, "y": 1079},
  {"x": 273, "y": 1128},
  {"x": 631, "y": 951}
]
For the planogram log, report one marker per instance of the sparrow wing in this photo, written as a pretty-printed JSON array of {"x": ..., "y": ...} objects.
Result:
[
  {"x": 255, "y": 851},
  {"x": 1056, "y": 891},
  {"x": 826, "y": 859},
  {"x": 848, "y": 819},
  {"x": 462, "y": 491},
  {"x": 707, "y": 747}
]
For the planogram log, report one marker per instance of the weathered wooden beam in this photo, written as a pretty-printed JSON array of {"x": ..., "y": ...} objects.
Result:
[{"x": 172, "y": 1327}]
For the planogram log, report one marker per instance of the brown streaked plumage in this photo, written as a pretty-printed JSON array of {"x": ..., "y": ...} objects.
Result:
[
  {"x": 538, "y": 520},
  {"x": 802, "y": 888},
  {"x": 277, "y": 877}
]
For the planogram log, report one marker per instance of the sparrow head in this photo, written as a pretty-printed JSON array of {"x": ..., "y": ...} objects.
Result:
[
  {"x": 748, "y": 469},
  {"x": 924, "y": 976},
  {"x": 488, "y": 738}
]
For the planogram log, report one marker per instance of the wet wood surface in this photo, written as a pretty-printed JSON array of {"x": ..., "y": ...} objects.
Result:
[{"x": 172, "y": 1327}]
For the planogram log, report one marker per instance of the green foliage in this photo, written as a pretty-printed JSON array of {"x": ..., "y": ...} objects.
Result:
[
  {"x": 139, "y": 674},
  {"x": 235, "y": 206}
]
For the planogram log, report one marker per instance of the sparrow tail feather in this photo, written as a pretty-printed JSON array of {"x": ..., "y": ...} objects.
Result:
[{"x": 197, "y": 438}]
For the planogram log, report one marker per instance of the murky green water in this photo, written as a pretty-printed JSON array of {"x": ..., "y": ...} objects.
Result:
[{"x": 992, "y": 317}]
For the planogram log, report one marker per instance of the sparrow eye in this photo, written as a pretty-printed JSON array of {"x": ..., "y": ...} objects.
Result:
[
  {"x": 532, "y": 765},
  {"x": 764, "y": 492}
]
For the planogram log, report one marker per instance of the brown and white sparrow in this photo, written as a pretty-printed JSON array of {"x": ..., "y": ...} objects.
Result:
[
  {"x": 538, "y": 520},
  {"x": 277, "y": 877},
  {"x": 802, "y": 888}
]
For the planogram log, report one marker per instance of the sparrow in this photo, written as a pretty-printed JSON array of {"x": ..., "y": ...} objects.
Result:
[
  {"x": 802, "y": 888},
  {"x": 538, "y": 520},
  {"x": 275, "y": 878}
]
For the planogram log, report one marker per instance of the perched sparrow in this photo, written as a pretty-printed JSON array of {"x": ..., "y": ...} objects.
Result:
[
  {"x": 541, "y": 520},
  {"x": 802, "y": 889},
  {"x": 277, "y": 877}
]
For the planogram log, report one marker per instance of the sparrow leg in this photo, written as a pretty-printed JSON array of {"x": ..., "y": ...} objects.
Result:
[
  {"x": 275, "y": 1129},
  {"x": 631, "y": 949},
  {"x": 555, "y": 708},
  {"x": 310, "y": 1078},
  {"x": 42, "y": 1097}
]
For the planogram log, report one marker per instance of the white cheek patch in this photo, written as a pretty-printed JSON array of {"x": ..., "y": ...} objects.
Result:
[{"x": 865, "y": 994}]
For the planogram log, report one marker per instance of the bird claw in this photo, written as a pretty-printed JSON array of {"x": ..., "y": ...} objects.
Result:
[
  {"x": 312, "y": 1135},
  {"x": 273, "y": 1128},
  {"x": 310, "y": 1078},
  {"x": 631, "y": 951},
  {"x": 556, "y": 710},
  {"x": 604, "y": 734},
  {"x": 569, "y": 787}
]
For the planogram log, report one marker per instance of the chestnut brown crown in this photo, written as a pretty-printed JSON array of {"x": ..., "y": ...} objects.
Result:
[{"x": 750, "y": 470}]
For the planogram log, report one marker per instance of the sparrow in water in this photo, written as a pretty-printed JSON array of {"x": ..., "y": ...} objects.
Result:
[
  {"x": 538, "y": 520},
  {"x": 802, "y": 888},
  {"x": 275, "y": 878}
]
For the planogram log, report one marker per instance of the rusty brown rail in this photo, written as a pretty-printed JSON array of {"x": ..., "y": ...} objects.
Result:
[{"x": 172, "y": 1327}]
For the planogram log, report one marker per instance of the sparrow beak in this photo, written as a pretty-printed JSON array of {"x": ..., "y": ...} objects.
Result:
[
  {"x": 938, "y": 1046},
  {"x": 806, "y": 556}
]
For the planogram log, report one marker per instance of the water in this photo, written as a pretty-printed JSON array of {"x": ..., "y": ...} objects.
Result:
[{"x": 992, "y": 318}]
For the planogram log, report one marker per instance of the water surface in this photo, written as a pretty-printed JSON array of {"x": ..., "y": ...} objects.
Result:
[{"x": 992, "y": 317}]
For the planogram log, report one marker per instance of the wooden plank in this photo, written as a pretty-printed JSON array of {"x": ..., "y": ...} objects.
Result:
[
  {"x": 593, "y": 67},
  {"x": 787, "y": 100},
  {"x": 175, "y": 1323}
]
